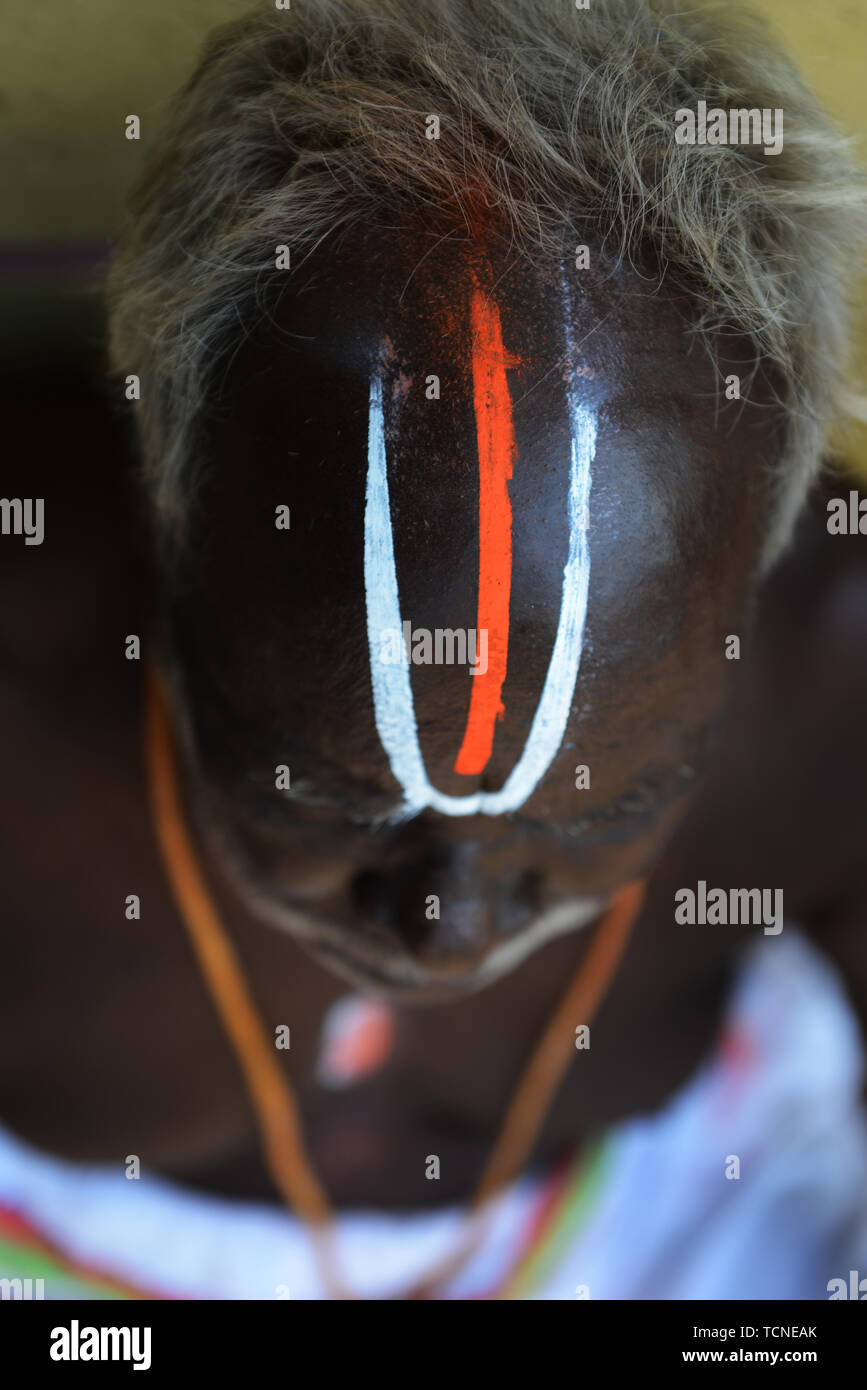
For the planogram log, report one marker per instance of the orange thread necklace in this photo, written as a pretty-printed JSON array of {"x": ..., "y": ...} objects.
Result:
[{"x": 271, "y": 1094}]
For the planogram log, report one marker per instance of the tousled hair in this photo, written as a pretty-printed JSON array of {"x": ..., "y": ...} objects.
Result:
[{"x": 300, "y": 124}]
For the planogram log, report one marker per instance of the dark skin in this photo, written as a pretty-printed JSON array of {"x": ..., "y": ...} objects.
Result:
[
  {"x": 266, "y": 621},
  {"x": 123, "y": 1053}
]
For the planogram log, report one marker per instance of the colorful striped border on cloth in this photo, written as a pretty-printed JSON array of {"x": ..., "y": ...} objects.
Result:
[{"x": 565, "y": 1198}]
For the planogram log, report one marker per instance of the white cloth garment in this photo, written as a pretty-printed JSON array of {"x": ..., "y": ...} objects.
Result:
[{"x": 781, "y": 1097}]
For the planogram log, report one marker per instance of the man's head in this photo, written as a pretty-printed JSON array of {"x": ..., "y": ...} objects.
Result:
[{"x": 458, "y": 517}]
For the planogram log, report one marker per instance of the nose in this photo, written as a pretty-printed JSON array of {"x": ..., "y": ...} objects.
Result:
[{"x": 448, "y": 900}]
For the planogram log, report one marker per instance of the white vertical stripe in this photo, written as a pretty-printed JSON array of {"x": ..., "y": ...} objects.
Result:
[{"x": 392, "y": 690}]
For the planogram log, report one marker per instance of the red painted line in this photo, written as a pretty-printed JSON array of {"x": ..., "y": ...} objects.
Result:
[{"x": 497, "y": 450}]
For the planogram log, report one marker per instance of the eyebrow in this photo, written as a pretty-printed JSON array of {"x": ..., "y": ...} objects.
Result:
[
  {"x": 355, "y": 812},
  {"x": 314, "y": 788},
  {"x": 646, "y": 796},
  {"x": 370, "y": 810}
]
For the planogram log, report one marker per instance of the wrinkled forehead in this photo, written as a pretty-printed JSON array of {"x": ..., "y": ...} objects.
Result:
[{"x": 457, "y": 507}]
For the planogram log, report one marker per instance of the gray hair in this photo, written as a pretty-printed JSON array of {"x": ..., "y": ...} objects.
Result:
[{"x": 301, "y": 123}]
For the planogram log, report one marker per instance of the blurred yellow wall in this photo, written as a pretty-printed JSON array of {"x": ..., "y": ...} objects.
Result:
[
  {"x": 74, "y": 68},
  {"x": 829, "y": 40}
]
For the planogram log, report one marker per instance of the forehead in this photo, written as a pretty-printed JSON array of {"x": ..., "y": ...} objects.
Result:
[{"x": 442, "y": 418}]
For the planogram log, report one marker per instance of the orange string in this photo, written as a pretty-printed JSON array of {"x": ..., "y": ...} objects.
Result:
[{"x": 271, "y": 1093}]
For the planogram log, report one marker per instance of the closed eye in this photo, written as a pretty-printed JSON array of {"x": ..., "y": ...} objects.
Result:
[{"x": 647, "y": 798}]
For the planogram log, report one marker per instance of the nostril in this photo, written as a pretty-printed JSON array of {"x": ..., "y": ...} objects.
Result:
[
  {"x": 528, "y": 889},
  {"x": 392, "y": 902},
  {"x": 370, "y": 896}
]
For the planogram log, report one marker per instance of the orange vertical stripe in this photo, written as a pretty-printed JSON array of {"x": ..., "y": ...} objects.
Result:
[{"x": 496, "y": 439}]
